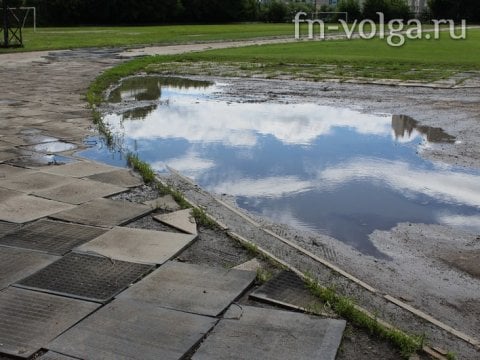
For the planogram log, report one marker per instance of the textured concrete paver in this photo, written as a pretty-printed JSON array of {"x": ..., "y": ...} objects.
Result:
[
  {"x": 104, "y": 212},
  {"x": 254, "y": 333},
  {"x": 182, "y": 220},
  {"x": 80, "y": 191},
  {"x": 138, "y": 245},
  {"x": 79, "y": 169},
  {"x": 21, "y": 208},
  {"x": 16, "y": 264},
  {"x": 30, "y": 320},
  {"x": 34, "y": 182},
  {"x": 124, "y": 178},
  {"x": 53, "y": 237},
  {"x": 55, "y": 356},
  {"x": 132, "y": 330},
  {"x": 191, "y": 288}
]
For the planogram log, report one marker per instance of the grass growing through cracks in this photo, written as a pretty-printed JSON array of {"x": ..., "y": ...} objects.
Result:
[
  {"x": 143, "y": 168},
  {"x": 345, "y": 307}
]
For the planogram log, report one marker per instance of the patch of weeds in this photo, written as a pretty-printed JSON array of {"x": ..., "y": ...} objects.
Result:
[
  {"x": 263, "y": 275},
  {"x": 103, "y": 129},
  {"x": 451, "y": 356},
  {"x": 143, "y": 168},
  {"x": 177, "y": 195},
  {"x": 251, "y": 248},
  {"x": 202, "y": 218},
  {"x": 345, "y": 307}
]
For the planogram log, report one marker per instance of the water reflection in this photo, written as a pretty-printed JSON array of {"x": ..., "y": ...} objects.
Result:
[
  {"x": 336, "y": 171},
  {"x": 405, "y": 128}
]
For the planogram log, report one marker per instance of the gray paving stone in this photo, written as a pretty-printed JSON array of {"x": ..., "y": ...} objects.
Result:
[
  {"x": 85, "y": 277},
  {"x": 21, "y": 208},
  {"x": 80, "y": 191},
  {"x": 7, "y": 171},
  {"x": 254, "y": 333},
  {"x": 138, "y": 245},
  {"x": 122, "y": 177},
  {"x": 34, "y": 182},
  {"x": 16, "y": 264},
  {"x": 166, "y": 202},
  {"x": 251, "y": 265},
  {"x": 7, "y": 155},
  {"x": 6, "y": 228},
  {"x": 132, "y": 330},
  {"x": 104, "y": 212},
  {"x": 182, "y": 220},
  {"x": 80, "y": 169},
  {"x": 30, "y": 320},
  {"x": 191, "y": 288},
  {"x": 49, "y": 236}
]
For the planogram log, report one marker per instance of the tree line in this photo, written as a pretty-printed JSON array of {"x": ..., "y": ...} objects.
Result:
[{"x": 118, "y": 12}]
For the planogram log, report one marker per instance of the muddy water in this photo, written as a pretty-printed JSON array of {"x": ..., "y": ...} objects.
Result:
[{"x": 331, "y": 170}]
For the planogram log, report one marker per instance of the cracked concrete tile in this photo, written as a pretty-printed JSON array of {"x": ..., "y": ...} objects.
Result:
[
  {"x": 34, "y": 182},
  {"x": 79, "y": 169},
  {"x": 182, "y": 220}
]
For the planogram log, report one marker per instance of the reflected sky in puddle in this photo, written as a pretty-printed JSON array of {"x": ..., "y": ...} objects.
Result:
[{"x": 325, "y": 169}]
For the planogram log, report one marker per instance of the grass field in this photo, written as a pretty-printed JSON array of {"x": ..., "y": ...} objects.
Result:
[
  {"x": 77, "y": 37},
  {"x": 425, "y": 60},
  {"x": 418, "y": 60}
]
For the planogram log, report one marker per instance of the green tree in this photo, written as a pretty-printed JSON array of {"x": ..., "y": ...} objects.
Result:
[{"x": 351, "y": 7}]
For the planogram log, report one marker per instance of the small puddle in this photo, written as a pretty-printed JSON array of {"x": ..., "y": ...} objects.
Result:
[
  {"x": 331, "y": 170},
  {"x": 52, "y": 147}
]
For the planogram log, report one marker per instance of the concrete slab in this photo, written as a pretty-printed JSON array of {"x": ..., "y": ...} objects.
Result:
[
  {"x": 80, "y": 191},
  {"x": 130, "y": 330},
  {"x": 191, "y": 288},
  {"x": 19, "y": 208},
  {"x": 251, "y": 265},
  {"x": 289, "y": 290},
  {"x": 52, "y": 237},
  {"x": 7, "y": 155},
  {"x": 85, "y": 277},
  {"x": 138, "y": 245},
  {"x": 254, "y": 333},
  {"x": 55, "y": 356},
  {"x": 104, "y": 212},
  {"x": 6, "y": 228},
  {"x": 80, "y": 169},
  {"x": 16, "y": 264},
  {"x": 7, "y": 171},
  {"x": 34, "y": 182},
  {"x": 166, "y": 202},
  {"x": 182, "y": 220},
  {"x": 30, "y": 320},
  {"x": 124, "y": 178}
]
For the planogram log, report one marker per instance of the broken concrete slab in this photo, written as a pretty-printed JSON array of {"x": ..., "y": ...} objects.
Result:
[
  {"x": 248, "y": 332},
  {"x": 124, "y": 178},
  {"x": 20, "y": 208},
  {"x": 79, "y": 169},
  {"x": 30, "y": 320},
  {"x": 16, "y": 264},
  {"x": 191, "y": 288},
  {"x": 133, "y": 330},
  {"x": 166, "y": 202},
  {"x": 182, "y": 220},
  {"x": 49, "y": 236},
  {"x": 79, "y": 191},
  {"x": 6, "y": 228},
  {"x": 288, "y": 290},
  {"x": 85, "y": 277},
  {"x": 34, "y": 182},
  {"x": 104, "y": 212},
  {"x": 138, "y": 245},
  {"x": 251, "y": 265},
  {"x": 55, "y": 356}
]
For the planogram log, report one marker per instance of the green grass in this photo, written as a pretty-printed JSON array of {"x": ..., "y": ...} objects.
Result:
[
  {"x": 81, "y": 37},
  {"x": 143, "y": 168}
]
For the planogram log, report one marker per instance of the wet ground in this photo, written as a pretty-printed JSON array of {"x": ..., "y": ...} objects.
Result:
[{"x": 325, "y": 169}]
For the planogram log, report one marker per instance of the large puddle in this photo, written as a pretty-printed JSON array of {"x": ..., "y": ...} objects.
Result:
[{"x": 330, "y": 170}]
